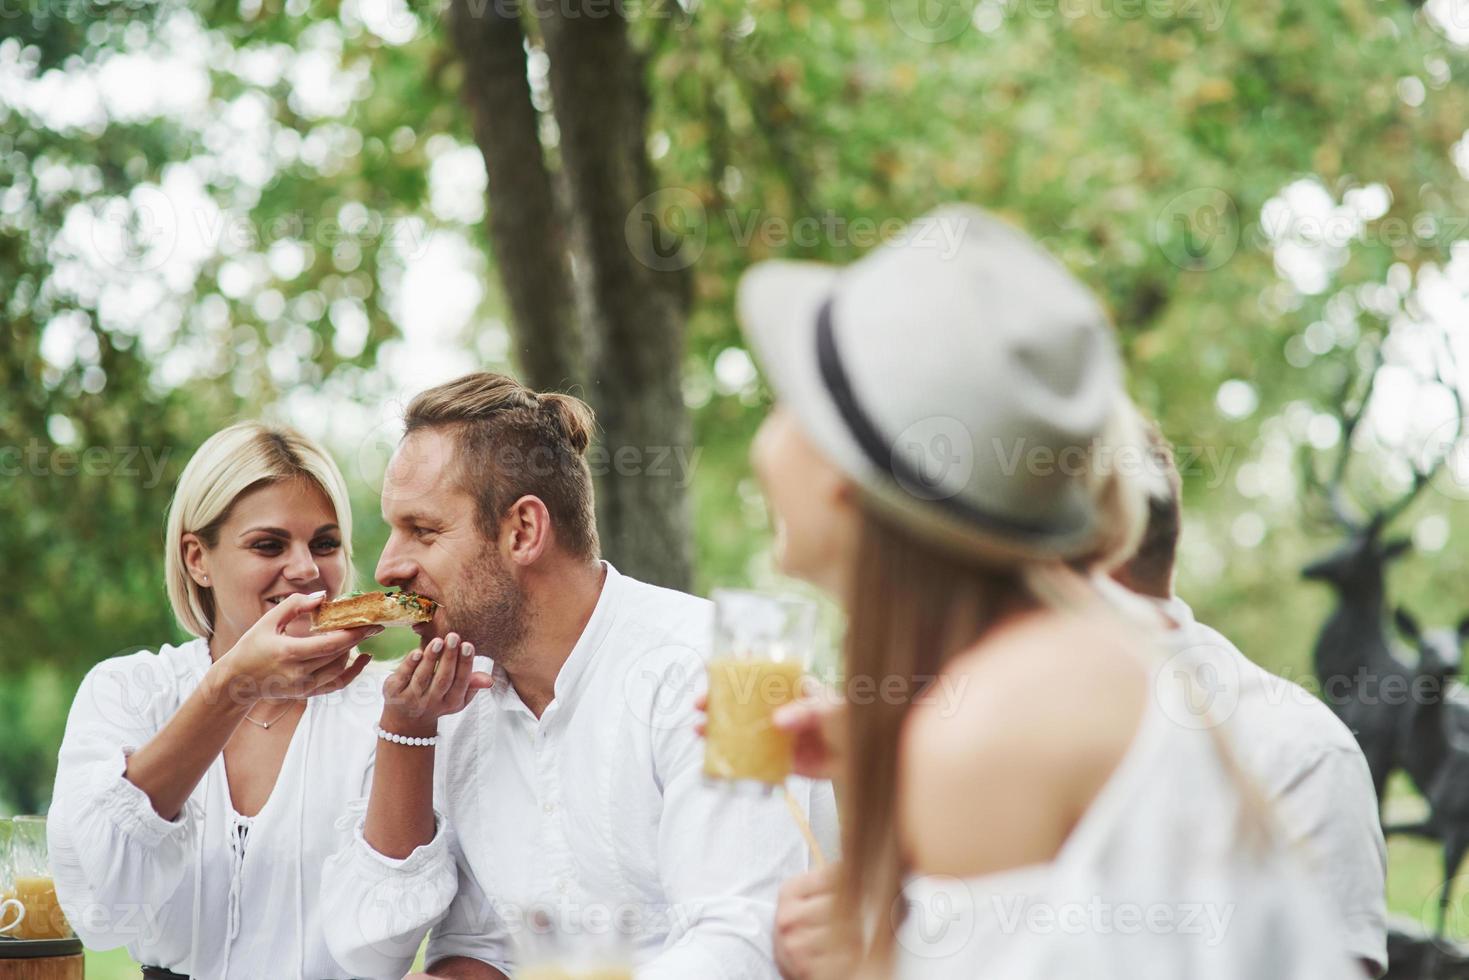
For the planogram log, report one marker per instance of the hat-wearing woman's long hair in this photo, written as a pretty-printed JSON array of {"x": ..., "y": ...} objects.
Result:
[{"x": 913, "y": 607}]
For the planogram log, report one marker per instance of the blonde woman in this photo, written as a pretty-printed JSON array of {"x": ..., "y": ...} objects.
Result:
[
  {"x": 1028, "y": 797},
  {"x": 199, "y": 787}
]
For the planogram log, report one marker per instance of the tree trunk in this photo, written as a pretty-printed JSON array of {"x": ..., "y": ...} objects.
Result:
[
  {"x": 633, "y": 314},
  {"x": 526, "y": 231}
]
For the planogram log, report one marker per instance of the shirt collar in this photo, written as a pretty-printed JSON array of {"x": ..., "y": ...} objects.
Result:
[
  {"x": 598, "y": 626},
  {"x": 591, "y": 637},
  {"x": 1178, "y": 611}
]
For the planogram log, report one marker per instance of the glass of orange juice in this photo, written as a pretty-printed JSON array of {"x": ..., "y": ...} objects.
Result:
[
  {"x": 33, "y": 886},
  {"x": 762, "y": 645},
  {"x": 570, "y": 946},
  {"x": 12, "y": 912}
]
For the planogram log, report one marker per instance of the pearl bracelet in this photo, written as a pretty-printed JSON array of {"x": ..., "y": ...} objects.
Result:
[{"x": 383, "y": 733}]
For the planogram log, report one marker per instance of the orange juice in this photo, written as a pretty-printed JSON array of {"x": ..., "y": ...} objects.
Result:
[
  {"x": 9, "y": 915},
  {"x": 742, "y": 743},
  {"x": 44, "y": 919}
]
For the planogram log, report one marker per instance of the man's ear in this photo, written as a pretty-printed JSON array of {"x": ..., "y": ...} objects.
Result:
[
  {"x": 526, "y": 532},
  {"x": 195, "y": 563}
]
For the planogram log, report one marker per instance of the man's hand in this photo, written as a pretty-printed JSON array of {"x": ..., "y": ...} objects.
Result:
[
  {"x": 459, "y": 968},
  {"x": 809, "y": 942},
  {"x": 816, "y": 724},
  {"x": 429, "y": 684}
]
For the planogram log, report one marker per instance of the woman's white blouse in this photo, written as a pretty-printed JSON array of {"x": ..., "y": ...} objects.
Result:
[
  {"x": 213, "y": 894},
  {"x": 1161, "y": 880}
]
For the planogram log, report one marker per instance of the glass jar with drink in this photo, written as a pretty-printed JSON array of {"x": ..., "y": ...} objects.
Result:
[
  {"x": 571, "y": 946},
  {"x": 31, "y": 883},
  {"x": 12, "y": 912},
  {"x": 762, "y": 645}
]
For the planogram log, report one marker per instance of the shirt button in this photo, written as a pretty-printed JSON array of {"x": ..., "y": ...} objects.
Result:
[
  {"x": 549, "y": 808},
  {"x": 563, "y": 886}
]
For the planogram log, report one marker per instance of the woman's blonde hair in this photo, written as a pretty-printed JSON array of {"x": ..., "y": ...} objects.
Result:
[
  {"x": 244, "y": 456},
  {"x": 914, "y": 606}
]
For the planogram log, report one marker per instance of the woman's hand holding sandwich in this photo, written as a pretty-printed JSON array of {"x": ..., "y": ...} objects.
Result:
[{"x": 277, "y": 658}]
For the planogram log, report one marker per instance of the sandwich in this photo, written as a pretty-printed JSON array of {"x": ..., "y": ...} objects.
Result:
[{"x": 391, "y": 608}]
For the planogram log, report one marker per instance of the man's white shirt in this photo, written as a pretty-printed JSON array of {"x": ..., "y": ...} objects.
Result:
[
  {"x": 597, "y": 812},
  {"x": 1309, "y": 766}
]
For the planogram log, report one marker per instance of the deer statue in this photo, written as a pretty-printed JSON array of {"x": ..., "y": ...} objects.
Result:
[
  {"x": 1435, "y": 746},
  {"x": 1438, "y": 709},
  {"x": 1354, "y": 657}
]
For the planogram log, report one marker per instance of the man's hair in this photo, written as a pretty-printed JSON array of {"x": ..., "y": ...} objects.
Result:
[
  {"x": 1151, "y": 567},
  {"x": 513, "y": 441}
]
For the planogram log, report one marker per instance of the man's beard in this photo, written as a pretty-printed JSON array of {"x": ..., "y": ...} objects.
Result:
[{"x": 488, "y": 609}]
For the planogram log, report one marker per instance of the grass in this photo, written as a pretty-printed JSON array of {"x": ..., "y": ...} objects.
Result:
[
  {"x": 116, "y": 964},
  {"x": 1415, "y": 867}
]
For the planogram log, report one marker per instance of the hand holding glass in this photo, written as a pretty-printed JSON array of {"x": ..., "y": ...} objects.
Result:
[{"x": 761, "y": 648}]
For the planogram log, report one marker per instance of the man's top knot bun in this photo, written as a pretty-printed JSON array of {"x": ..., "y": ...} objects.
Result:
[{"x": 572, "y": 416}]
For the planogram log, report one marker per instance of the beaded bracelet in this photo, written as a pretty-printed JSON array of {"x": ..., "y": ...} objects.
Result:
[{"x": 383, "y": 733}]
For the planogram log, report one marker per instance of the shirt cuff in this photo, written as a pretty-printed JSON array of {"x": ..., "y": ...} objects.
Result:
[
  {"x": 1367, "y": 940},
  {"x": 435, "y": 852},
  {"x": 130, "y": 809}
]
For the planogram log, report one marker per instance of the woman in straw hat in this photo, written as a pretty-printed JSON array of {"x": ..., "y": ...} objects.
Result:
[{"x": 953, "y": 458}]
